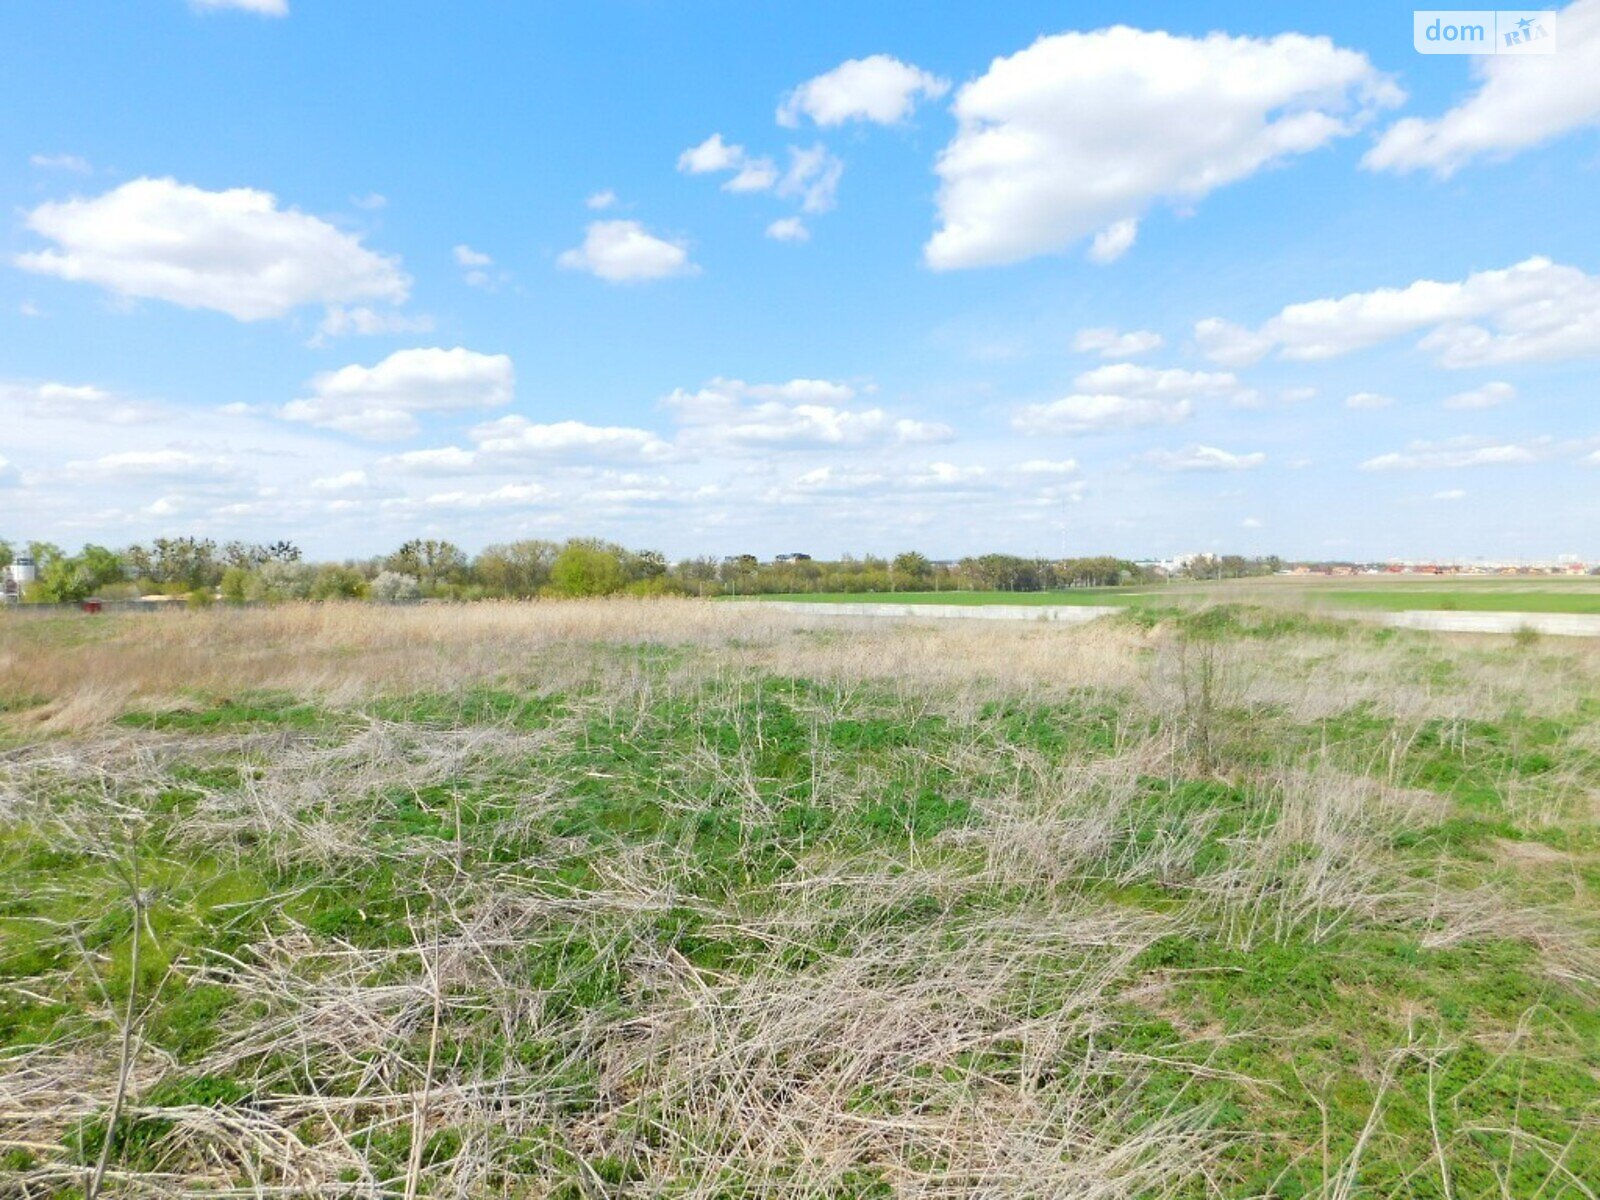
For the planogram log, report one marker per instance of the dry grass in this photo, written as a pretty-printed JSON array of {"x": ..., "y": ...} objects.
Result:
[
  {"x": 769, "y": 905},
  {"x": 343, "y": 653}
]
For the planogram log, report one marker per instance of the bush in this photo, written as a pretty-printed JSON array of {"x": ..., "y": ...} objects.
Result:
[
  {"x": 62, "y": 581},
  {"x": 338, "y": 583},
  {"x": 281, "y": 581},
  {"x": 235, "y": 585},
  {"x": 392, "y": 586},
  {"x": 584, "y": 569},
  {"x": 661, "y": 585}
]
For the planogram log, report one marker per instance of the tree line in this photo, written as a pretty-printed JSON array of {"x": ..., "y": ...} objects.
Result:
[{"x": 203, "y": 571}]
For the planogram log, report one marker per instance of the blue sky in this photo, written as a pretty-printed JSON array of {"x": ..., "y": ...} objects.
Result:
[{"x": 717, "y": 278}]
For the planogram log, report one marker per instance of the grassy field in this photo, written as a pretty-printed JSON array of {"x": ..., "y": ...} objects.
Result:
[
  {"x": 1368, "y": 593},
  {"x": 1107, "y": 596},
  {"x": 677, "y": 899}
]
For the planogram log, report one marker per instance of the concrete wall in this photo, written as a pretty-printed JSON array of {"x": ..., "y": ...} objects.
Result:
[{"x": 1560, "y": 624}]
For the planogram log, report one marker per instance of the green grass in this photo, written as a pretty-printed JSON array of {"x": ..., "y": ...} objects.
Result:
[
  {"x": 1475, "y": 598},
  {"x": 1488, "y": 595},
  {"x": 1118, "y": 596},
  {"x": 676, "y": 918}
]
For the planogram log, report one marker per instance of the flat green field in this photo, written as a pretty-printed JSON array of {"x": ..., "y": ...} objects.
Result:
[
  {"x": 677, "y": 900},
  {"x": 1399, "y": 598},
  {"x": 1123, "y": 596},
  {"x": 1489, "y": 595}
]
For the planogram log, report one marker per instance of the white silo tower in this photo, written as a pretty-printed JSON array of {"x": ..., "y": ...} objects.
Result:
[{"x": 22, "y": 571}]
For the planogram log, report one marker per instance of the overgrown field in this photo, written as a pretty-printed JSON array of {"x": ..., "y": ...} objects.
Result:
[{"x": 678, "y": 899}]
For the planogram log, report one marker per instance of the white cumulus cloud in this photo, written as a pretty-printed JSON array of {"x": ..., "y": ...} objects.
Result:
[
  {"x": 75, "y": 402},
  {"x": 788, "y": 229},
  {"x": 477, "y": 267},
  {"x": 1115, "y": 240},
  {"x": 879, "y": 88},
  {"x": 1368, "y": 400},
  {"x": 1126, "y": 396},
  {"x": 710, "y": 156},
  {"x": 263, "y": 8},
  {"x": 1535, "y": 311},
  {"x": 1490, "y": 395},
  {"x": 511, "y": 495},
  {"x": 517, "y": 438},
  {"x": 812, "y": 178},
  {"x": 381, "y": 401},
  {"x": 1049, "y": 466},
  {"x": 1109, "y": 343},
  {"x": 344, "y": 481},
  {"x": 233, "y": 251},
  {"x": 1521, "y": 101},
  {"x": 1087, "y": 413},
  {"x": 362, "y": 321},
  {"x": 1454, "y": 453},
  {"x": 733, "y": 414},
  {"x": 1131, "y": 379},
  {"x": 946, "y": 475},
  {"x": 626, "y": 252},
  {"x": 1203, "y": 458},
  {"x": 1083, "y": 132},
  {"x": 1229, "y": 344},
  {"x": 751, "y": 173},
  {"x": 147, "y": 466},
  {"x": 444, "y": 460}
]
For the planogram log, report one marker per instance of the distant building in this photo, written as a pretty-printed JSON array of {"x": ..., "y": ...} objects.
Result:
[{"x": 17, "y": 576}]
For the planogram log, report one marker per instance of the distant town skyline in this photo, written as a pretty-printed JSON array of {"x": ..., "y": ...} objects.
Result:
[{"x": 1140, "y": 279}]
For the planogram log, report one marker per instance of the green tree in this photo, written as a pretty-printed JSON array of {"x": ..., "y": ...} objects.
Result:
[
  {"x": 911, "y": 567},
  {"x": 515, "y": 568},
  {"x": 236, "y": 584},
  {"x": 640, "y": 564},
  {"x": 183, "y": 564},
  {"x": 63, "y": 581},
  {"x": 335, "y": 582},
  {"x": 586, "y": 569},
  {"x": 104, "y": 566},
  {"x": 432, "y": 562}
]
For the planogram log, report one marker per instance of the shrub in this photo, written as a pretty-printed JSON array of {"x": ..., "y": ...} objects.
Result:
[
  {"x": 235, "y": 585},
  {"x": 583, "y": 569},
  {"x": 661, "y": 585},
  {"x": 392, "y": 586},
  {"x": 282, "y": 581},
  {"x": 338, "y": 583}
]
